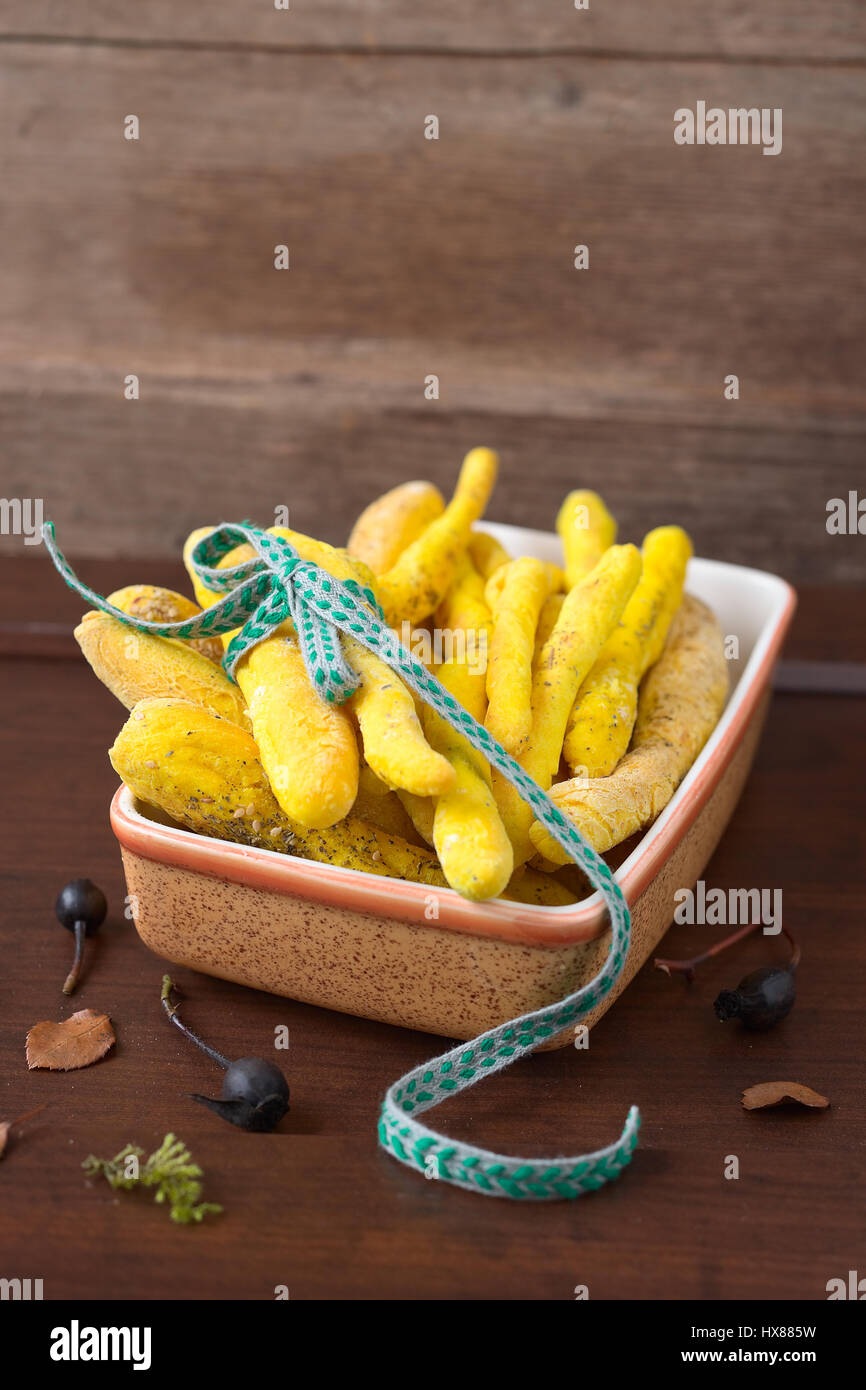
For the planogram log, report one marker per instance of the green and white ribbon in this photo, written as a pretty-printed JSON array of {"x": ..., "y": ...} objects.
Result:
[{"x": 260, "y": 595}]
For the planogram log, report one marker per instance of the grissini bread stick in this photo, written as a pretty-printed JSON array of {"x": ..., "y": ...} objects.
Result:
[
  {"x": 527, "y": 584},
  {"x": 590, "y": 612},
  {"x": 417, "y": 582},
  {"x": 156, "y": 605},
  {"x": 679, "y": 706},
  {"x": 586, "y": 529},
  {"x": 307, "y": 747},
  {"x": 389, "y": 525},
  {"x": 205, "y": 772},
  {"x": 135, "y": 665},
  {"x": 601, "y": 722}
]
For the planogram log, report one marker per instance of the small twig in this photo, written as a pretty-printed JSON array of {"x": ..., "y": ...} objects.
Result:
[
  {"x": 70, "y": 984},
  {"x": 172, "y": 1011},
  {"x": 688, "y": 967},
  {"x": 19, "y": 1120}
]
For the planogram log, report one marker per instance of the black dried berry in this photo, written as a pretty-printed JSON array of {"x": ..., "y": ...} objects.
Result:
[
  {"x": 761, "y": 1000},
  {"x": 255, "y": 1094},
  {"x": 81, "y": 907}
]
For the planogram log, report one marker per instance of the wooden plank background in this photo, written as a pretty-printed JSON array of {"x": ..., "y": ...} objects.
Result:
[
  {"x": 410, "y": 257},
  {"x": 741, "y": 28}
]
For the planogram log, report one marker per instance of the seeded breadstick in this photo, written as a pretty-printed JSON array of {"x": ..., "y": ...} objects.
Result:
[
  {"x": 550, "y": 611},
  {"x": 680, "y": 702},
  {"x": 601, "y": 722},
  {"x": 391, "y": 523},
  {"x": 155, "y": 605},
  {"x": 419, "y": 579},
  {"x": 590, "y": 612},
  {"x": 205, "y": 773},
  {"x": 586, "y": 529},
  {"x": 135, "y": 665}
]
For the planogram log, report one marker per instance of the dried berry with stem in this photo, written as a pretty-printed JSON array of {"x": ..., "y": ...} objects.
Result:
[
  {"x": 762, "y": 998},
  {"x": 81, "y": 909},
  {"x": 255, "y": 1094}
]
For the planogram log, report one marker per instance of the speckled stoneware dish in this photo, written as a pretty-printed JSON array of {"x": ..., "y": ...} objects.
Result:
[{"x": 372, "y": 946}]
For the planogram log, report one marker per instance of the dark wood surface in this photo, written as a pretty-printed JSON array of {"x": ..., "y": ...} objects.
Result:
[{"x": 317, "y": 1206}]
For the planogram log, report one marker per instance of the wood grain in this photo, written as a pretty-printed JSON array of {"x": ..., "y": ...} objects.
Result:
[
  {"x": 412, "y": 257},
  {"x": 127, "y": 478},
  {"x": 774, "y": 29},
  {"x": 317, "y": 1206}
]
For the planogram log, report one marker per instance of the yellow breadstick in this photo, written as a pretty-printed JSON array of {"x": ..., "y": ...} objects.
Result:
[
  {"x": 417, "y": 582},
  {"x": 386, "y": 813},
  {"x": 587, "y": 529},
  {"x": 465, "y": 626},
  {"x": 601, "y": 722},
  {"x": 539, "y": 890},
  {"x": 470, "y": 839},
  {"x": 679, "y": 706},
  {"x": 394, "y": 745},
  {"x": 206, "y": 774},
  {"x": 527, "y": 583},
  {"x": 550, "y": 611},
  {"x": 308, "y": 747},
  {"x": 486, "y": 553},
  {"x": 420, "y": 811},
  {"x": 370, "y": 784},
  {"x": 157, "y": 605},
  {"x": 496, "y": 583},
  {"x": 391, "y": 523},
  {"x": 590, "y": 612},
  {"x": 135, "y": 665}
]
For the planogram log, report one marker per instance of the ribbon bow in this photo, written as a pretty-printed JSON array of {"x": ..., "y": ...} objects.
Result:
[{"x": 261, "y": 594}]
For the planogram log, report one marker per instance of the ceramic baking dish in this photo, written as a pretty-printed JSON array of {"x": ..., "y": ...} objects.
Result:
[{"x": 405, "y": 954}]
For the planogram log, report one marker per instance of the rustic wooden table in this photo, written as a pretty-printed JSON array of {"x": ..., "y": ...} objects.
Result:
[{"x": 318, "y": 1207}]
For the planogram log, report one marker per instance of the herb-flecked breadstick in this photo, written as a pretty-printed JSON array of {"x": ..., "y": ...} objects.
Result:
[
  {"x": 470, "y": 839},
  {"x": 601, "y": 722},
  {"x": 135, "y": 665},
  {"x": 590, "y": 612},
  {"x": 679, "y": 706},
  {"x": 417, "y": 582},
  {"x": 157, "y": 605},
  {"x": 205, "y": 773},
  {"x": 550, "y": 611}
]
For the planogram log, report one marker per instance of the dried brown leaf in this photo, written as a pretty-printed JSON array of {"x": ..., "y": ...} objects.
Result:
[
  {"x": 77, "y": 1042},
  {"x": 780, "y": 1093}
]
